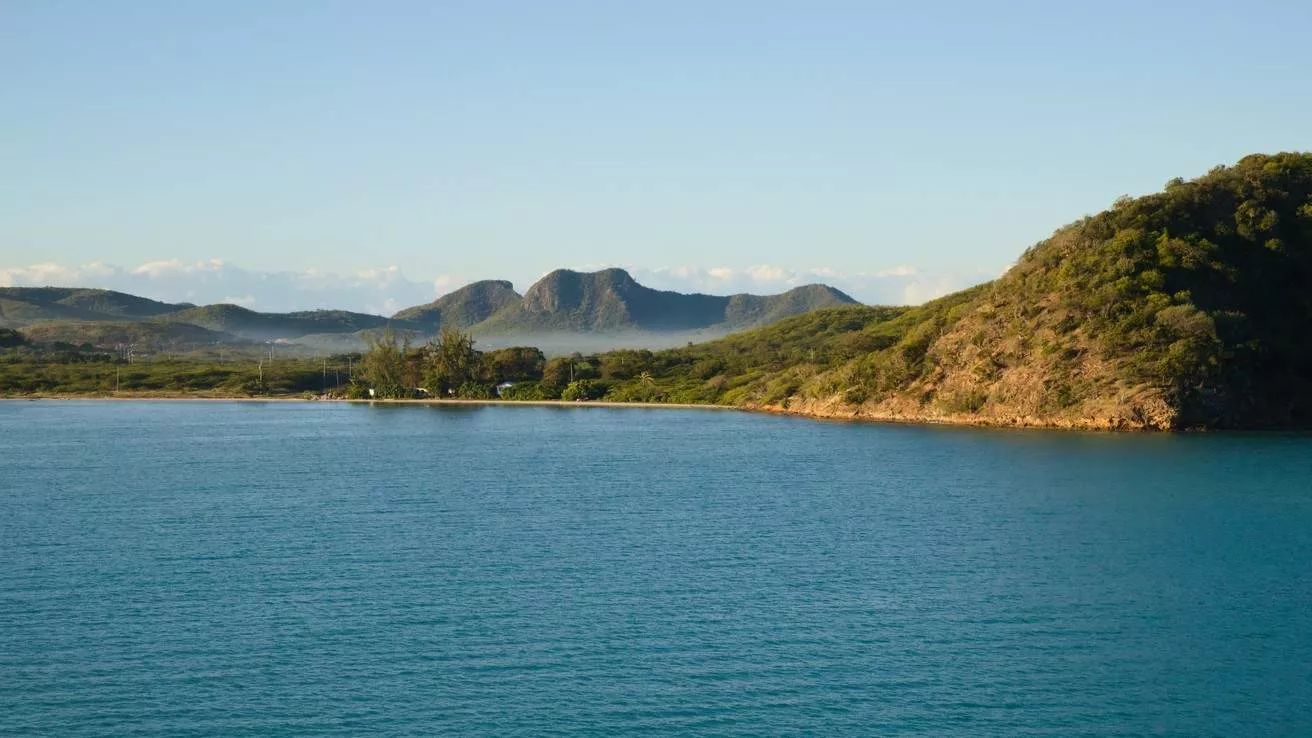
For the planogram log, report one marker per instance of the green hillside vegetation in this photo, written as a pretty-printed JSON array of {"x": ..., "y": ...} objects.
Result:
[
  {"x": 758, "y": 367},
  {"x": 10, "y": 338},
  {"x": 746, "y": 368},
  {"x": 1186, "y": 308},
  {"x": 463, "y": 308},
  {"x": 16, "y": 313},
  {"x": 73, "y": 371},
  {"x": 21, "y": 306},
  {"x": 745, "y": 311},
  {"x": 27, "y": 306},
  {"x": 144, "y": 334},
  {"x": 29, "y": 367},
  {"x": 249, "y": 324},
  {"x": 109, "y": 302}
]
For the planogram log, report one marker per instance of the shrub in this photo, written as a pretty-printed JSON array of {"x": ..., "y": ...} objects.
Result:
[
  {"x": 524, "y": 391},
  {"x": 475, "y": 391},
  {"x": 968, "y": 401},
  {"x": 583, "y": 389}
]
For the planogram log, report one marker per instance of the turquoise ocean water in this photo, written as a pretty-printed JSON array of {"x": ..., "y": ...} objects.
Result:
[{"x": 313, "y": 569}]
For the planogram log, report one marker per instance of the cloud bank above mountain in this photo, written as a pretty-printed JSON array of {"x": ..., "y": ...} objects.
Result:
[{"x": 384, "y": 290}]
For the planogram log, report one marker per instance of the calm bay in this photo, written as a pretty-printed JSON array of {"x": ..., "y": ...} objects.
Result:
[{"x": 215, "y": 568}]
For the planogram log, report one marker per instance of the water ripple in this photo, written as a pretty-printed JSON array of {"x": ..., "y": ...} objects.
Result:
[{"x": 237, "y": 569}]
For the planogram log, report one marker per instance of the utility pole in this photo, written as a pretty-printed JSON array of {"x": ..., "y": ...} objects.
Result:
[
  {"x": 116, "y": 380},
  {"x": 325, "y": 376}
]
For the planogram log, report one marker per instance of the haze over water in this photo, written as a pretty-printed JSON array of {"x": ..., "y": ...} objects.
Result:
[{"x": 284, "y": 568}]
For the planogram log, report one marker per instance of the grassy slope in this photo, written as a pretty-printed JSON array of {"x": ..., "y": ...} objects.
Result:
[
  {"x": 42, "y": 308},
  {"x": 231, "y": 379},
  {"x": 769, "y": 365},
  {"x": 24, "y": 305},
  {"x": 748, "y": 311},
  {"x": 158, "y": 334},
  {"x": 1180, "y": 309},
  {"x": 462, "y": 308},
  {"x": 1187, "y": 308},
  {"x": 254, "y": 325}
]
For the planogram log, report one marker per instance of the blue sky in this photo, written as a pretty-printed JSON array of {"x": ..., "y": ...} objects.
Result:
[{"x": 896, "y": 149}]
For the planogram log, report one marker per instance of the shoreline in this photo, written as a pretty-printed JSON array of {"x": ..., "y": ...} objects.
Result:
[
  {"x": 121, "y": 397},
  {"x": 775, "y": 410},
  {"x": 808, "y": 412}
]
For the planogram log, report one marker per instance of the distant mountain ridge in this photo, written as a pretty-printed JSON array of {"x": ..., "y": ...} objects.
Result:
[
  {"x": 605, "y": 302},
  {"x": 610, "y": 301},
  {"x": 22, "y": 305},
  {"x": 247, "y": 323}
]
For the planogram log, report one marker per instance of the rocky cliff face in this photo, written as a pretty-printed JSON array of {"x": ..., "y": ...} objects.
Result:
[{"x": 596, "y": 301}]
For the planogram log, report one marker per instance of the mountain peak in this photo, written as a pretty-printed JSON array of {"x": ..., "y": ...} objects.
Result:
[
  {"x": 462, "y": 308},
  {"x": 570, "y": 285},
  {"x": 611, "y": 300}
]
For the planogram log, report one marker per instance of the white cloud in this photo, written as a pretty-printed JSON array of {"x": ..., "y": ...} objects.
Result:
[
  {"x": 897, "y": 271},
  {"x": 37, "y": 274},
  {"x": 168, "y": 267},
  {"x": 770, "y": 274},
  {"x": 896, "y": 285},
  {"x": 382, "y": 275},
  {"x": 247, "y": 302},
  {"x": 444, "y": 283},
  {"x": 914, "y": 293},
  {"x": 97, "y": 269},
  {"x": 388, "y": 307},
  {"x": 159, "y": 268}
]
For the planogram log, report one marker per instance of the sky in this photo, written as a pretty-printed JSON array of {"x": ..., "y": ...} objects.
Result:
[{"x": 374, "y": 155}]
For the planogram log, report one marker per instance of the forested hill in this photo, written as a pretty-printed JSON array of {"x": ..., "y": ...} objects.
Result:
[
  {"x": 1191, "y": 307},
  {"x": 23, "y": 305},
  {"x": 463, "y": 308},
  {"x": 240, "y": 321}
]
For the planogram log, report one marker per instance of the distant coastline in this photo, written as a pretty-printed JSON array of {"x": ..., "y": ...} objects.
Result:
[
  {"x": 809, "y": 411},
  {"x": 1185, "y": 309},
  {"x": 195, "y": 397}
]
